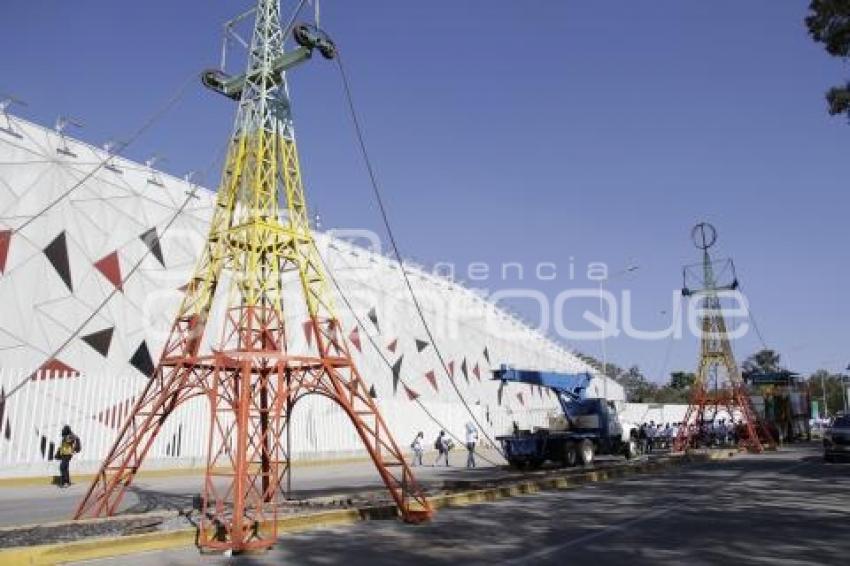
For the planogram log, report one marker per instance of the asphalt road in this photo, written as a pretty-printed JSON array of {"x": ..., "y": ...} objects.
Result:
[{"x": 781, "y": 508}]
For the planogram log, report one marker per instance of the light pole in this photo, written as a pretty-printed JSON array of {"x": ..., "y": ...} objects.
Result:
[
  {"x": 844, "y": 389},
  {"x": 629, "y": 269}
]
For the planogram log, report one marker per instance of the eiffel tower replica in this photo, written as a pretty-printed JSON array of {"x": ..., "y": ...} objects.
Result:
[
  {"x": 718, "y": 388},
  {"x": 260, "y": 260}
]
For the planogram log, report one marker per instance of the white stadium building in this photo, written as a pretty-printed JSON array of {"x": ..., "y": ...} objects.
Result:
[{"x": 94, "y": 251}]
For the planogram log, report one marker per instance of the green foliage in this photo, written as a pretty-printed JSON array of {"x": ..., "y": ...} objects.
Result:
[
  {"x": 641, "y": 390},
  {"x": 829, "y": 23},
  {"x": 839, "y": 100},
  {"x": 763, "y": 361},
  {"x": 824, "y": 383},
  {"x": 681, "y": 380}
]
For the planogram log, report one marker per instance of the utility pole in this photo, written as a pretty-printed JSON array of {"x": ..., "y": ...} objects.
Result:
[
  {"x": 844, "y": 379},
  {"x": 260, "y": 244}
]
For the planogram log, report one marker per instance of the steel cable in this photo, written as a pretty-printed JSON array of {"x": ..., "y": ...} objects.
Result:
[
  {"x": 385, "y": 217},
  {"x": 386, "y": 361}
]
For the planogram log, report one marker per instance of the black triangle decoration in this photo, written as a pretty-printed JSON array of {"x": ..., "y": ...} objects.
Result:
[
  {"x": 100, "y": 340},
  {"x": 57, "y": 253},
  {"x": 2, "y": 405},
  {"x": 373, "y": 316},
  {"x": 465, "y": 371},
  {"x": 151, "y": 240},
  {"x": 421, "y": 344},
  {"x": 142, "y": 361},
  {"x": 372, "y": 393},
  {"x": 487, "y": 354},
  {"x": 397, "y": 373}
]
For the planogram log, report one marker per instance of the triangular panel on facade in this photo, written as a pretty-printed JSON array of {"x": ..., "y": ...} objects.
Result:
[
  {"x": 373, "y": 316},
  {"x": 57, "y": 254},
  {"x": 397, "y": 373},
  {"x": 142, "y": 360},
  {"x": 5, "y": 243},
  {"x": 354, "y": 338},
  {"x": 432, "y": 379},
  {"x": 151, "y": 240},
  {"x": 110, "y": 267},
  {"x": 100, "y": 340},
  {"x": 54, "y": 369}
]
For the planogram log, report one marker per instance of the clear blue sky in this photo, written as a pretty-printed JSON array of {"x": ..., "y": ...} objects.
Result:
[{"x": 518, "y": 131}]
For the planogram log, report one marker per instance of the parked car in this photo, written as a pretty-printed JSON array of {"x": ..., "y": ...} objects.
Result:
[{"x": 836, "y": 439}]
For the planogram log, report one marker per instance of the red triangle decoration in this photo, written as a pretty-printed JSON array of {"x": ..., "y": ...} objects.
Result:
[
  {"x": 54, "y": 369},
  {"x": 477, "y": 372},
  {"x": 521, "y": 400},
  {"x": 432, "y": 379},
  {"x": 411, "y": 394},
  {"x": 392, "y": 345},
  {"x": 354, "y": 338},
  {"x": 308, "y": 332},
  {"x": 5, "y": 241},
  {"x": 111, "y": 269}
]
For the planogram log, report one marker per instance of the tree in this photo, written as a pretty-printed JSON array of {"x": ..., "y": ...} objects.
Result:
[
  {"x": 829, "y": 23},
  {"x": 824, "y": 383},
  {"x": 681, "y": 380},
  {"x": 763, "y": 361},
  {"x": 638, "y": 389}
]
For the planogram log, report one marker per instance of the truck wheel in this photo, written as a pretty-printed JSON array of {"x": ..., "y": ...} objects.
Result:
[
  {"x": 586, "y": 452},
  {"x": 570, "y": 457}
]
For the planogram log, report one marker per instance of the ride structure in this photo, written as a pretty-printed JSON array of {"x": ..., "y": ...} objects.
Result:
[
  {"x": 261, "y": 249},
  {"x": 718, "y": 385}
]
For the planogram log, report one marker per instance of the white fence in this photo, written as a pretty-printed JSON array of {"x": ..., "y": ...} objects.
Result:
[{"x": 95, "y": 406}]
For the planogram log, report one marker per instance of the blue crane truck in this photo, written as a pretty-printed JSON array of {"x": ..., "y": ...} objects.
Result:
[{"x": 589, "y": 427}]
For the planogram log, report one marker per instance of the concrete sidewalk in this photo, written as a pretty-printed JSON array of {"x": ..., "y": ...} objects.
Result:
[{"x": 21, "y": 505}]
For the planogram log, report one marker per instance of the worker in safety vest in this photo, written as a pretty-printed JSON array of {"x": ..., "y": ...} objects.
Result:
[{"x": 68, "y": 446}]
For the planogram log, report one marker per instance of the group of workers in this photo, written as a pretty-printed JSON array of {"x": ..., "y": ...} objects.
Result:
[{"x": 718, "y": 433}]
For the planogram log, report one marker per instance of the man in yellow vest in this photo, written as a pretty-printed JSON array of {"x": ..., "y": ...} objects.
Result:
[{"x": 69, "y": 445}]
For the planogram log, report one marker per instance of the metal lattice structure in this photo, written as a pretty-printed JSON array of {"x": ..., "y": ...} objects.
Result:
[
  {"x": 718, "y": 386},
  {"x": 259, "y": 238}
]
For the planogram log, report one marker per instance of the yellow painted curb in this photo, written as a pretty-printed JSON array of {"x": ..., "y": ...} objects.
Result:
[{"x": 163, "y": 540}]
